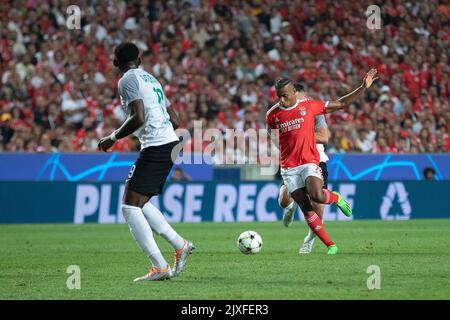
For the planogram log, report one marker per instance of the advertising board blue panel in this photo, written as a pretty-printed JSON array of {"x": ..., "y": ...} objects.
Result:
[
  {"x": 83, "y": 202},
  {"x": 81, "y": 167},
  {"x": 115, "y": 166},
  {"x": 387, "y": 167}
]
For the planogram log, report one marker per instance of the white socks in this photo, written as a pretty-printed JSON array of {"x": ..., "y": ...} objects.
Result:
[
  {"x": 311, "y": 235},
  {"x": 159, "y": 225},
  {"x": 289, "y": 207},
  {"x": 143, "y": 235}
]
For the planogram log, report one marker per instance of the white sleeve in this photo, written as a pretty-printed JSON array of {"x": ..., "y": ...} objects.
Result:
[
  {"x": 167, "y": 102},
  {"x": 320, "y": 122},
  {"x": 129, "y": 89}
]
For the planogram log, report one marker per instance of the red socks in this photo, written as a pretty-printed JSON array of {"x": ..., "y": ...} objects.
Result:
[
  {"x": 330, "y": 197},
  {"x": 315, "y": 223}
]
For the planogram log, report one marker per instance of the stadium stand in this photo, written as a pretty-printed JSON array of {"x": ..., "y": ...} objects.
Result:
[{"x": 218, "y": 60}]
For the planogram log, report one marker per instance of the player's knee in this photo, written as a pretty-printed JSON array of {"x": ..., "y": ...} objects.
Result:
[
  {"x": 134, "y": 199},
  {"x": 284, "y": 199}
]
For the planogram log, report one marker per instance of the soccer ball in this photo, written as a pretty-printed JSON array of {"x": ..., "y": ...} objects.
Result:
[{"x": 249, "y": 242}]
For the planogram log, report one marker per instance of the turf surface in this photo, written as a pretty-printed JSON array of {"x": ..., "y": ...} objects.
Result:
[{"x": 413, "y": 256}]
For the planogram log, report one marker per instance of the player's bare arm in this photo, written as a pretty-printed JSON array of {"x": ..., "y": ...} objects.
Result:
[
  {"x": 348, "y": 99},
  {"x": 174, "y": 119},
  {"x": 134, "y": 122},
  {"x": 322, "y": 135}
]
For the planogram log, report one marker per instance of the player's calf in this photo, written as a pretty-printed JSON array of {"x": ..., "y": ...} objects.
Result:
[
  {"x": 313, "y": 220},
  {"x": 334, "y": 197},
  {"x": 315, "y": 223},
  {"x": 323, "y": 196}
]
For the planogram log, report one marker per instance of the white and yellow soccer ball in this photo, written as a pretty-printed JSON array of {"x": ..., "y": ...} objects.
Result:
[{"x": 249, "y": 242}]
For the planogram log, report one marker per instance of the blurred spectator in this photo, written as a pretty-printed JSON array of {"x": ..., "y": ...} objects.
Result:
[
  {"x": 179, "y": 175},
  {"x": 217, "y": 61},
  {"x": 73, "y": 108},
  {"x": 429, "y": 174}
]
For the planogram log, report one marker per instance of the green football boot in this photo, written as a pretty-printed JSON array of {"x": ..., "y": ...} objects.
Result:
[
  {"x": 333, "y": 249},
  {"x": 343, "y": 205}
]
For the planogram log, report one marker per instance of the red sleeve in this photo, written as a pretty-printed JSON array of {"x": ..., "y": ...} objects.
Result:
[{"x": 318, "y": 107}]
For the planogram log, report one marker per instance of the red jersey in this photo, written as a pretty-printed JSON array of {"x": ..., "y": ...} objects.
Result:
[{"x": 297, "y": 142}]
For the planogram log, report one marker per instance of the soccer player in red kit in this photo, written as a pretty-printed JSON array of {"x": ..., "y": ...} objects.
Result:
[{"x": 299, "y": 159}]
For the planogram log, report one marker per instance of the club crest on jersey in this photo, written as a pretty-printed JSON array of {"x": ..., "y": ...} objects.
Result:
[
  {"x": 302, "y": 111},
  {"x": 276, "y": 119}
]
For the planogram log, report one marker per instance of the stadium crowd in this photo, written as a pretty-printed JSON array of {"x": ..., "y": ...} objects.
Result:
[{"x": 218, "y": 60}]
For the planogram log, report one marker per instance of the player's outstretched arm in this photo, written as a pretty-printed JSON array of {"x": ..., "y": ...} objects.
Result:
[
  {"x": 134, "y": 122},
  {"x": 348, "y": 99}
]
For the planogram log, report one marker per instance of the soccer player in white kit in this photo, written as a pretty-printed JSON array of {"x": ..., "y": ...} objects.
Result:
[
  {"x": 150, "y": 118},
  {"x": 285, "y": 200}
]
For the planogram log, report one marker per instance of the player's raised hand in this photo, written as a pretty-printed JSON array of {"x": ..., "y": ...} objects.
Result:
[
  {"x": 370, "y": 77},
  {"x": 105, "y": 143}
]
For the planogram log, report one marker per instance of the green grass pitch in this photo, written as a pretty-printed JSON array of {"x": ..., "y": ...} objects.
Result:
[{"x": 413, "y": 256}]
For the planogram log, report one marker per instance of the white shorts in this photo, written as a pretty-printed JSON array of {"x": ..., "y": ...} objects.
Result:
[{"x": 295, "y": 178}]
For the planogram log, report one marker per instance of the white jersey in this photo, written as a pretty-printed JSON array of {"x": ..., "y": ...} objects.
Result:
[
  {"x": 319, "y": 123},
  {"x": 157, "y": 129}
]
